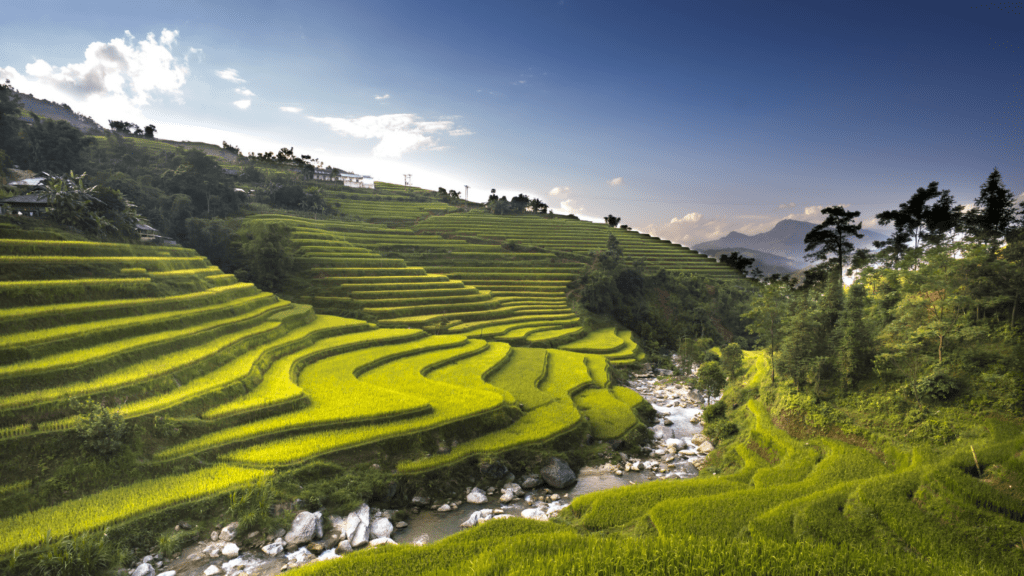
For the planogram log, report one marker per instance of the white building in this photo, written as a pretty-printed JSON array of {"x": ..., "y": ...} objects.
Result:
[{"x": 351, "y": 180}]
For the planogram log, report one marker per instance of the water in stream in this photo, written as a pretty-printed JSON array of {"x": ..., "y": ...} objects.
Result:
[{"x": 437, "y": 525}]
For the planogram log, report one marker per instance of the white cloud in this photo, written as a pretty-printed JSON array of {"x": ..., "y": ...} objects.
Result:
[
  {"x": 569, "y": 206},
  {"x": 397, "y": 133},
  {"x": 245, "y": 92},
  {"x": 787, "y": 206},
  {"x": 460, "y": 132},
  {"x": 113, "y": 80},
  {"x": 243, "y": 104},
  {"x": 384, "y": 97},
  {"x": 559, "y": 191},
  {"x": 693, "y": 217},
  {"x": 615, "y": 181},
  {"x": 230, "y": 74},
  {"x": 812, "y": 210},
  {"x": 292, "y": 109}
]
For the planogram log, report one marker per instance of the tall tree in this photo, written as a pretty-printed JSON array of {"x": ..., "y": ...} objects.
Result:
[
  {"x": 830, "y": 240},
  {"x": 151, "y": 130},
  {"x": 994, "y": 214},
  {"x": 612, "y": 221},
  {"x": 10, "y": 105},
  {"x": 766, "y": 316}
]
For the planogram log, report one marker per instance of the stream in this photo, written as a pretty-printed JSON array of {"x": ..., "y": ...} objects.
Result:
[{"x": 436, "y": 525}]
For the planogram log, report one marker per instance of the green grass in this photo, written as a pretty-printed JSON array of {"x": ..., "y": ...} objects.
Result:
[
  {"x": 609, "y": 417},
  {"x": 120, "y": 504},
  {"x": 521, "y": 375}
]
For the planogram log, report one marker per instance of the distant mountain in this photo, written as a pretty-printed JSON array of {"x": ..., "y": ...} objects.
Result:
[{"x": 782, "y": 246}]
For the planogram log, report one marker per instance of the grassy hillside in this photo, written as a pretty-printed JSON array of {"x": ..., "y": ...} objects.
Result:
[
  {"x": 825, "y": 501},
  {"x": 143, "y": 373}
]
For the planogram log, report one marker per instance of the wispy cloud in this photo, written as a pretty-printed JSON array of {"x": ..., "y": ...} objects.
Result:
[
  {"x": 292, "y": 109},
  {"x": 615, "y": 181},
  {"x": 230, "y": 74},
  {"x": 242, "y": 104},
  {"x": 384, "y": 97},
  {"x": 245, "y": 92},
  {"x": 397, "y": 133},
  {"x": 693, "y": 217},
  {"x": 460, "y": 132},
  {"x": 559, "y": 191},
  {"x": 114, "y": 78}
]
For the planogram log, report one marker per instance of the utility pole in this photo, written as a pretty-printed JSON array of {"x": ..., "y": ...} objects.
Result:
[
  {"x": 408, "y": 179},
  {"x": 467, "y": 197}
]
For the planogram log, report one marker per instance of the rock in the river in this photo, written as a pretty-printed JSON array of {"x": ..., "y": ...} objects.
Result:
[
  {"x": 274, "y": 548},
  {"x": 211, "y": 570},
  {"x": 698, "y": 439},
  {"x": 144, "y": 569},
  {"x": 558, "y": 474},
  {"x": 444, "y": 508},
  {"x": 168, "y": 573},
  {"x": 228, "y": 532},
  {"x": 421, "y": 540},
  {"x": 230, "y": 550},
  {"x": 705, "y": 447},
  {"x": 676, "y": 443},
  {"x": 361, "y": 536},
  {"x": 687, "y": 468},
  {"x": 476, "y": 496},
  {"x": 531, "y": 481},
  {"x": 381, "y": 528},
  {"x": 343, "y": 547},
  {"x": 534, "y": 514},
  {"x": 493, "y": 470},
  {"x": 420, "y": 500},
  {"x": 381, "y": 541},
  {"x": 305, "y": 527}
]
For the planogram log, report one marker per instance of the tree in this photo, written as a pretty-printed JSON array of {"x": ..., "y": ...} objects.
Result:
[
  {"x": 917, "y": 220},
  {"x": 52, "y": 146},
  {"x": 150, "y": 131},
  {"x": 691, "y": 351},
  {"x": 538, "y": 206},
  {"x": 612, "y": 221},
  {"x": 766, "y": 316},
  {"x": 737, "y": 261},
  {"x": 732, "y": 359},
  {"x": 854, "y": 350},
  {"x": 519, "y": 202},
  {"x": 710, "y": 380},
  {"x": 493, "y": 197},
  {"x": 994, "y": 214},
  {"x": 10, "y": 106},
  {"x": 832, "y": 237},
  {"x": 123, "y": 127},
  {"x": 266, "y": 254}
]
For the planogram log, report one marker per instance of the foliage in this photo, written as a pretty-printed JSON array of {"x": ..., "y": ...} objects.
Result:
[
  {"x": 267, "y": 254},
  {"x": 251, "y": 506},
  {"x": 102, "y": 431},
  {"x": 831, "y": 237},
  {"x": 714, "y": 411},
  {"x": 710, "y": 379}
]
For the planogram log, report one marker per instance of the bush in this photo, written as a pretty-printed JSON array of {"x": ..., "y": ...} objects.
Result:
[
  {"x": 720, "y": 430},
  {"x": 84, "y": 555},
  {"x": 251, "y": 507},
  {"x": 714, "y": 412},
  {"x": 937, "y": 385},
  {"x": 103, "y": 432}
]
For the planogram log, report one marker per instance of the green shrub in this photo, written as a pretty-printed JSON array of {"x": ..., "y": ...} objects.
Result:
[
  {"x": 82, "y": 555},
  {"x": 937, "y": 385},
  {"x": 714, "y": 412},
  {"x": 720, "y": 430},
  {"x": 251, "y": 507},
  {"x": 103, "y": 431}
]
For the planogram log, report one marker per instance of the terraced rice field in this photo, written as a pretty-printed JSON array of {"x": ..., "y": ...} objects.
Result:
[{"x": 268, "y": 383}]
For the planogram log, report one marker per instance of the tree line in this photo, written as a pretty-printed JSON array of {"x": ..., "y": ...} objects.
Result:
[{"x": 931, "y": 314}]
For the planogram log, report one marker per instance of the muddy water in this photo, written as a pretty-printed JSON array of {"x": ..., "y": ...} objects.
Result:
[{"x": 437, "y": 525}]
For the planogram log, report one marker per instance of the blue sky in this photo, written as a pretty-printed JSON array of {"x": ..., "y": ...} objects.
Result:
[{"x": 687, "y": 119}]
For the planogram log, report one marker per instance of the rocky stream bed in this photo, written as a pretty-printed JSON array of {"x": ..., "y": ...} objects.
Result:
[{"x": 678, "y": 451}]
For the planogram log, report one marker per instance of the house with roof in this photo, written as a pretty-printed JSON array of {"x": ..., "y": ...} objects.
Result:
[
  {"x": 25, "y": 205},
  {"x": 351, "y": 180}
]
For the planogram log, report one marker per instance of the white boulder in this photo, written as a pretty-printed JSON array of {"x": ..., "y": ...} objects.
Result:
[{"x": 476, "y": 496}]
